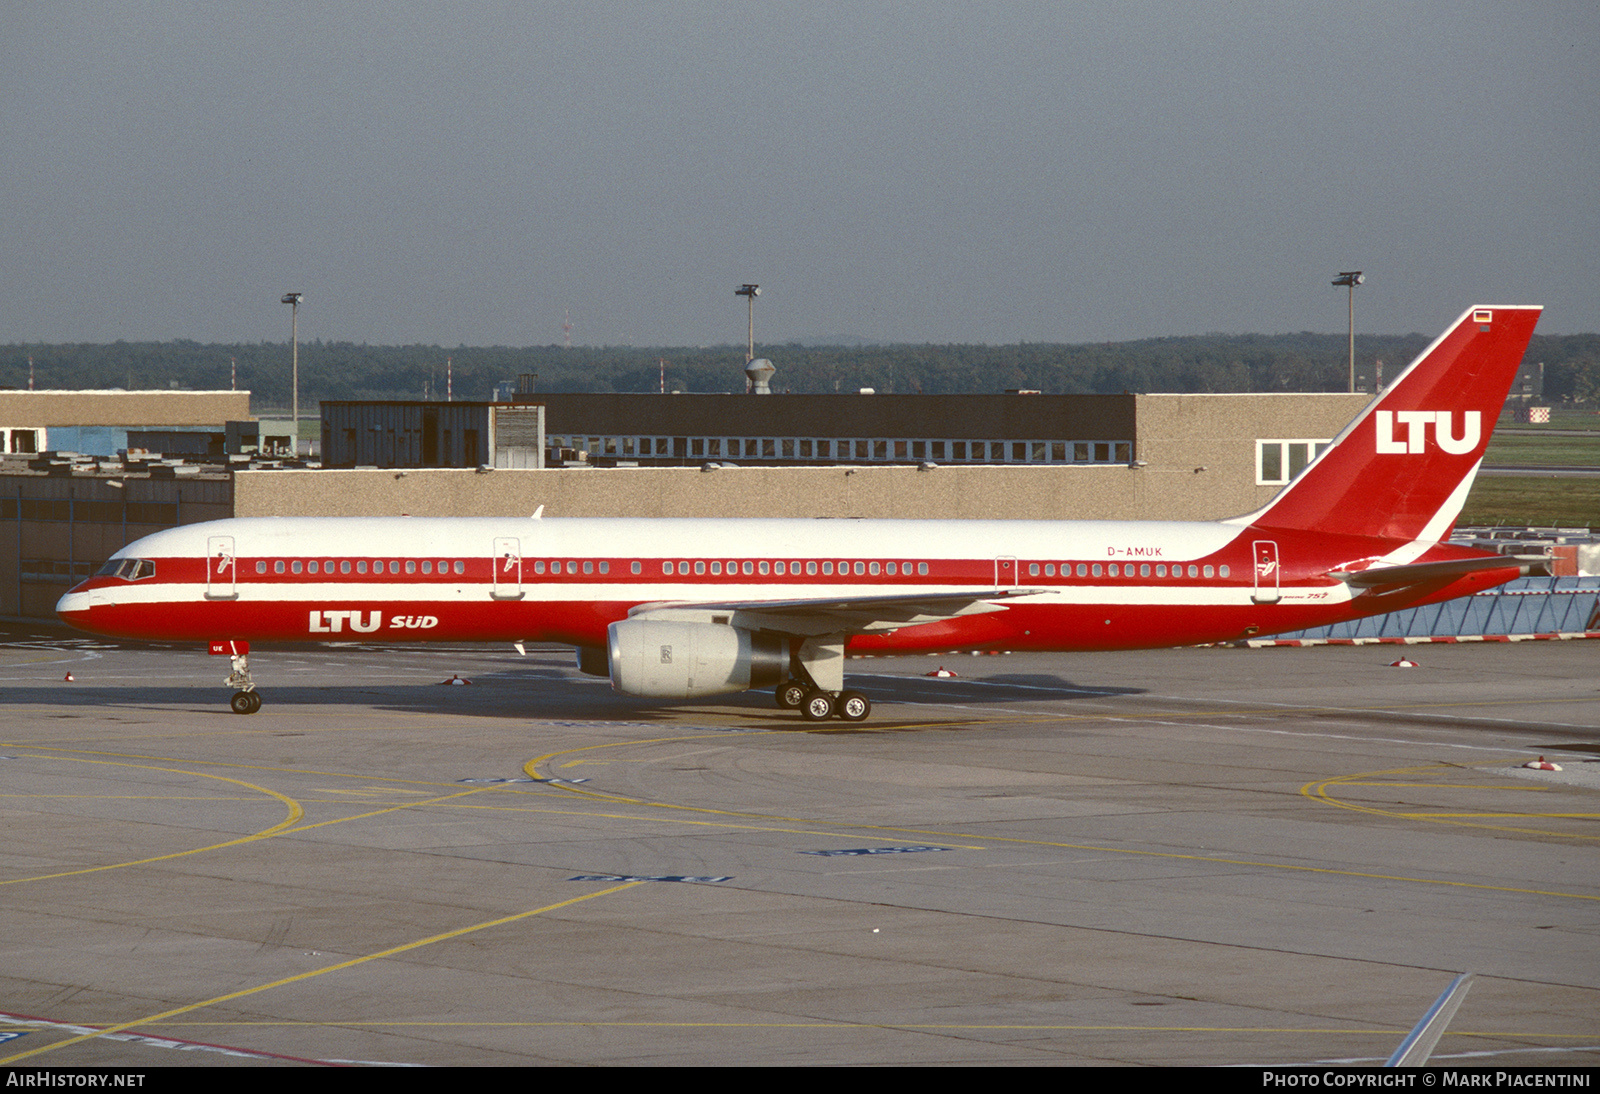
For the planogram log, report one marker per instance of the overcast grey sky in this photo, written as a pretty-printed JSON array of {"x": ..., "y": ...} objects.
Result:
[{"x": 949, "y": 172}]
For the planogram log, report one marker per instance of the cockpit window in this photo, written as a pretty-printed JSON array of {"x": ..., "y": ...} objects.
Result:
[{"x": 128, "y": 569}]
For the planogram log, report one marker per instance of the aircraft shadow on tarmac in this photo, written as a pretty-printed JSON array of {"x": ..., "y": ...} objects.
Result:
[
  {"x": 539, "y": 693},
  {"x": 1015, "y": 687}
]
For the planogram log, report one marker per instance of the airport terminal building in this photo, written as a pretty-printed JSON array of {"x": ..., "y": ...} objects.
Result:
[{"x": 1016, "y": 429}]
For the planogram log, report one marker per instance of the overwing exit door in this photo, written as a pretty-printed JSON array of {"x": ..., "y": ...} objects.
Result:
[{"x": 507, "y": 560}]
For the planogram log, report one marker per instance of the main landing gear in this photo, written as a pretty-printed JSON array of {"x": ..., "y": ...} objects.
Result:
[
  {"x": 247, "y": 700},
  {"x": 816, "y": 682},
  {"x": 816, "y": 705}
]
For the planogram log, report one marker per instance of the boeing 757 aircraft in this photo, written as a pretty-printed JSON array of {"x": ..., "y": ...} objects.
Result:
[{"x": 675, "y": 609}]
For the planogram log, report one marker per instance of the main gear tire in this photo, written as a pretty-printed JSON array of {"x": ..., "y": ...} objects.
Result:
[
  {"x": 853, "y": 706},
  {"x": 819, "y": 707}
]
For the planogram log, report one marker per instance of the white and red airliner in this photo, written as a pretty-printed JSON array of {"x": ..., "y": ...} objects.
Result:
[{"x": 684, "y": 608}]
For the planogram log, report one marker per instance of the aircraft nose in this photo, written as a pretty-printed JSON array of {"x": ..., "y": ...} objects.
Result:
[{"x": 73, "y": 607}]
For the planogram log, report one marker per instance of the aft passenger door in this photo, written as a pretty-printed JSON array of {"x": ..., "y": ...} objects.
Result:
[
  {"x": 507, "y": 562},
  {"x": 221, "y": 569},
  {"x": 1266, "y": 572}
]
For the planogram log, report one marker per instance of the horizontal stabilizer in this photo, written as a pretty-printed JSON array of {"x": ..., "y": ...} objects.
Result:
[{"x": 1382, "y": 577}]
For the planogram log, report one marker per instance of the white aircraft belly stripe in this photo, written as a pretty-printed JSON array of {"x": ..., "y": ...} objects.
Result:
[{"x": 564, "y": 593}]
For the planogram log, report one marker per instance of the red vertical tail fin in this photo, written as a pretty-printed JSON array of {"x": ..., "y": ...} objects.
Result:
[{"x": 1402, "y": 469}]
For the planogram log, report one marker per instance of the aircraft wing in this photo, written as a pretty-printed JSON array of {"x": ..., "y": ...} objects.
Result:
[
  {"x": 851, "y": 615},
  {"x": 1390, "y": 577}
]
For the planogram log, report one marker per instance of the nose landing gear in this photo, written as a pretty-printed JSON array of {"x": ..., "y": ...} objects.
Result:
[{"x": 246, "y": 700}]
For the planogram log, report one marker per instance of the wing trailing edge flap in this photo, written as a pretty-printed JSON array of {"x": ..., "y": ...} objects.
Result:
[
  {"x": 1390, "y": 577},
  {"x": 857, "y": 615}
]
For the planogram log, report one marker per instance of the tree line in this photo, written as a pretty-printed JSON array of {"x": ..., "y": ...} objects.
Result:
[{"x": 346, "y": 370}]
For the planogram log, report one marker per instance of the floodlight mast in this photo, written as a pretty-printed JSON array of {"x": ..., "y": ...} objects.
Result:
[
  {"x": 293, "y": 300},
  {"x": 1350, "y": 279},
  {"x": 750, "y": 292}
]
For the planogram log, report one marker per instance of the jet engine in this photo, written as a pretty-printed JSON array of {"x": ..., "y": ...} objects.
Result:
[{"x": 668, "y": 659}]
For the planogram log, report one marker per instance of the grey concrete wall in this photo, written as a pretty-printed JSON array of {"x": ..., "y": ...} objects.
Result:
[
  {"x": 975, "y": 493},
  {"x": 122, "y": 408},
  {"x": 1181, "y": 434}
]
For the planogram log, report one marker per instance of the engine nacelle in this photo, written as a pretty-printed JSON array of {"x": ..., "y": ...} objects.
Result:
[{"x": 666, "y": 659}]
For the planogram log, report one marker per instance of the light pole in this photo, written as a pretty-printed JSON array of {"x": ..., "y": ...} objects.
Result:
[
  {"x": 293, "y": 300},
  {"x": 1350, "y": 279},
  {"x": 750, "y": 292}
]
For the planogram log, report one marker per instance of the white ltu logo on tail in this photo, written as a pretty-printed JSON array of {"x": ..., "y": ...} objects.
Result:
[{"x": 1416, "y": 438}]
